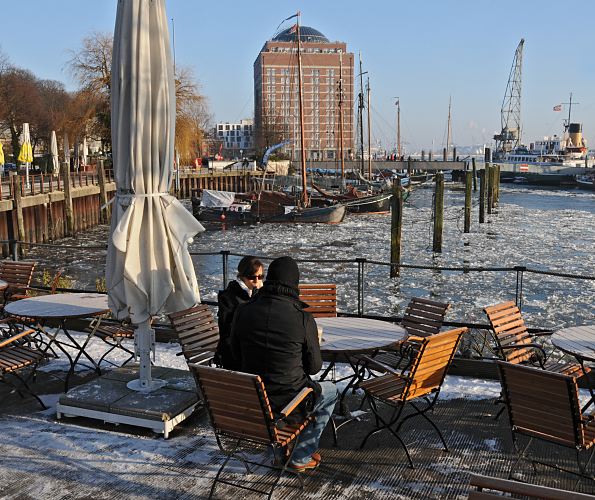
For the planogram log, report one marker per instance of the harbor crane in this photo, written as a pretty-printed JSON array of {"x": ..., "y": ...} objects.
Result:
[{"x": 510, "y": 114}]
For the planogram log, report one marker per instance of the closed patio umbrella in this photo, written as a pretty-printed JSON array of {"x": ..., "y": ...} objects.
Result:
[
  {"x": 54, "y": 153},
  {"x": 26, "y": 153},
  {"x": 1, "y": 155},
  {"x": 85, "y": 152},
  {"x": 66, "y": 150},
  {"x": 148, "y": 270}
]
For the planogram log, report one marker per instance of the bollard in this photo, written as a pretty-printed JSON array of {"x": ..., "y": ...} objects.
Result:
[
  {"x": 396, "y": 229},
  {"x": 438, "y": 212},
  {"x": 474, "y": 174},
  {"x": 482, "y": 196},
  {"x": 468, "y": 183}
]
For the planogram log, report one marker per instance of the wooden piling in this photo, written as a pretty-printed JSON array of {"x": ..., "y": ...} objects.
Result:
[
  {"x": 438, "y": 212},
  {"x": 104, "y": 213},
  {"x": 454, "y": 154},
  {"x": 482, "y": 196},
  {"x": 489, "y": 187},
  {"x": 396, "y": 229},
  {"x": 18, "y": 205},
  {"x": 474, "y": 174},
  {"x": 444, "y": 154},
  {"x": 497, "y": 183},
  {"x": 468, "y": 185},
  {"x": 68, "y": 208}
]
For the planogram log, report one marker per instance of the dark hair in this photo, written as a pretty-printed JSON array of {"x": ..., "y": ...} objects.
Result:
[{"x": 248, "y": 266}]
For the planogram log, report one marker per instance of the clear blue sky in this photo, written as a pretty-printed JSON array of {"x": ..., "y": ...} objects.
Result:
[{"x": 420, "y": 51}]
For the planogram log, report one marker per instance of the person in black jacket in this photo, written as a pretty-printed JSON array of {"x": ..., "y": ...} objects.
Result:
[
  {"x": 249, "y": 280},
  {"x": 272, "y": 336}
]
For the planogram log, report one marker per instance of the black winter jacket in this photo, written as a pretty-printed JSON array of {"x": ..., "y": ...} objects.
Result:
[
  {"x": 272, "y": 336},
  {"x": 228, "y": 301}
]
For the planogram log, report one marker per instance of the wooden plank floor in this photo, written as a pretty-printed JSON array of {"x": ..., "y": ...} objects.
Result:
[{"x": 78, "y": 458}]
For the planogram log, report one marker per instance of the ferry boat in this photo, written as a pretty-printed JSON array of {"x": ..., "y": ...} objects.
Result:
[{"x": 553, "y": 161}]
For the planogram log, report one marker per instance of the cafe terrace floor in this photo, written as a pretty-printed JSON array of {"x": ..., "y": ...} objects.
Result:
[{"x": 43, "y": 458}]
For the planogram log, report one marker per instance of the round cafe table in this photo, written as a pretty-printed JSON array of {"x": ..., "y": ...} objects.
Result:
[
  {"x": 578, "y": 341},
  {"x": 60, "y": 308}
]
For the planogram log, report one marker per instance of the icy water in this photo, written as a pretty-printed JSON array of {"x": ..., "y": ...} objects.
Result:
[{"x": 537, "y": 228}]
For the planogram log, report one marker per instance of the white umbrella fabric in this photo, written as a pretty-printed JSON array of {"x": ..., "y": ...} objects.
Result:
[
  {"x": 54, "y": 153},
  {"x": 85, "y": 151},
  {"x": 148, "y": 270},
  {"x": 66, "y": 150}
]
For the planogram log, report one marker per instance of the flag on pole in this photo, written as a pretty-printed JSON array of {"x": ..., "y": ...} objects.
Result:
[
  {"x": 293, "y": 29},
  {"x": 558, "y": 107}
]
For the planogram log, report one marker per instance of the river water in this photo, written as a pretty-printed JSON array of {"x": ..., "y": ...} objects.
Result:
[{"x": 534, "y": 227}]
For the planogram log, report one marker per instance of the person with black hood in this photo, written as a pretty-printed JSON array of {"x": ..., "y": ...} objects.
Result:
[
  {"x": 238, "y": 291},
  {"x": 272, "y": 336}
]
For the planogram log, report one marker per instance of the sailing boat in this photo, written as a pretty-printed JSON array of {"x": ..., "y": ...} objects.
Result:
[
  {"x": 357, "y": 201},
  {"x": 272, "y": 206}
]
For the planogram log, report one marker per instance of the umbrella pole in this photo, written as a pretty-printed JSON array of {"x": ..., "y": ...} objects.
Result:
[{"x": 144, "y": 343}]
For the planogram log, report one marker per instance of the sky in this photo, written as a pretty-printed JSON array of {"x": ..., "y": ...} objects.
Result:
[{"x": 423, "y": 52}]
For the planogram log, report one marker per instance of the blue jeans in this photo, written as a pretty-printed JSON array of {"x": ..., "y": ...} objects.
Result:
[{"x": 308, "y": 440}]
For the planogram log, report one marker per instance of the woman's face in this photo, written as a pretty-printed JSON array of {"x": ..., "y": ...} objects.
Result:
[{"x": 254, "y": 281}]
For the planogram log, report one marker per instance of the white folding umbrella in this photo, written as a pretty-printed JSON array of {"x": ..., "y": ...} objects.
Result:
[
  {"x": 85, "y": 151},
  {"x": 149, "y": 270},
  {"x": 66, "y": 150},
  {"x": 54, "y": 153}
]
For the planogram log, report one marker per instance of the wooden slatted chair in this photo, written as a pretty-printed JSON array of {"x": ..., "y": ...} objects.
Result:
[
  {"x": 544, "y": 405},
  {"x": 321, "y": 299},
  {"x": 19, "y": 352},
  {"x": 198, "y": 333},
  {"x": 516, "y": 345},
  {"x": 492, "y": 488},
  {"x": 422, "y": 318},
  {"x": 18, "y": 276},
  {"x": 417, "y": 384},
  {"x": 239, "y": 409}
]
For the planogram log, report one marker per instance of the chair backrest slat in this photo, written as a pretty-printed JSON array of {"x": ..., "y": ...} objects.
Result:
[
  {"x": 510, "y": 329},
  {"x": 237, "y": 403},
  {"x": 542, "y": 404},
  {"x": 197, "y": 331},
  {"x": 424, "y": 317},
  {"x": 432, "y": 361},
  {"x": 321, "y": 299}
]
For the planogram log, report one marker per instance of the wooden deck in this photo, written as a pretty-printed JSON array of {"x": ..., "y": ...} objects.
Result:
[{"x": 79, "y": 458}]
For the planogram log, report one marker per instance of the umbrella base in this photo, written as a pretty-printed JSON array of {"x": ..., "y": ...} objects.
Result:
[{"x": 154, "y": 384}]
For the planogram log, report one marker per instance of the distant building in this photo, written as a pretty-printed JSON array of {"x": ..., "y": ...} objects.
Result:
[
  {"x": 276, "y": 98},
  {"x": 237, "y": 138}
]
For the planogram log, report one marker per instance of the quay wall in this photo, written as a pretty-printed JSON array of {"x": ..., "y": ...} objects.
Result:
[{"x": 385, "y": 164}]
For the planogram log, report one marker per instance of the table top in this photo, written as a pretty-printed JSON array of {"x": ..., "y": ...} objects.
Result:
[
  {"x": 60, "y": 305},
  {"x": 3, "y": 285},
  {"x": 358, "y": 335},
  {"x": 576, "y": 340}
]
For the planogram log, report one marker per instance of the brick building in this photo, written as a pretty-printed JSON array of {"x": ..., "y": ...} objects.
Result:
[{"x": 276, "y": 98}]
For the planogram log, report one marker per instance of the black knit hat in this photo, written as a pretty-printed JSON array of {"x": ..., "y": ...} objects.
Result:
[{"x": 284, "y": 270}]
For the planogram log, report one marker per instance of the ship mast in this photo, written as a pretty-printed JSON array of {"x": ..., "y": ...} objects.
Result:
[
  {"x": 369, "y": 138},
  {"x": 448, "y": 129},
  {"x": 301, "y": 105},
  {"x": 398, "y": 103},
  {"x": 361, "y": 112}
]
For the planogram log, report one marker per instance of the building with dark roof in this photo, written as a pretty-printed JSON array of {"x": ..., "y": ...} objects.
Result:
[{"x": 276, "y": 98}]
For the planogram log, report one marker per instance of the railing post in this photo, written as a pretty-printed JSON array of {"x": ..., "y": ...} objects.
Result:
[
  {"x": 519, "y": 286},
  {"x": 225, "y": 255},
  {"x": 360, "y": 285}
]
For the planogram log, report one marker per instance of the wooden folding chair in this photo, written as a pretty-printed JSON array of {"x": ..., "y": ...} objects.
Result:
[
  {"x": 419, "y": 382},
  {"x": 240, "y": 413},
  {"x": 198, "y": 333},
  {"x": 17, "y": 353},
  {"x": 516, "y": 345},
  {"x": 493, "y": 488},
  {"x": 113, "y": 334},
  {"x": 18, "y": 275},
  {"x": 544, "y": 405},
  {"x": 321, "y": 299}
]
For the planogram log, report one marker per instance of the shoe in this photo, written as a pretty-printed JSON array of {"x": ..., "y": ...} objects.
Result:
[
  {"x": 312, "y": 464},
  {"x": 316, "y": 457}
]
